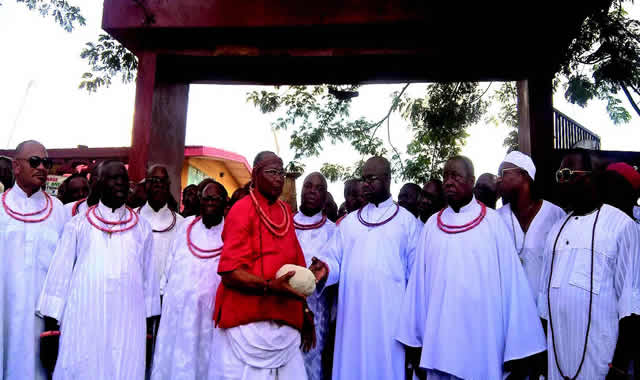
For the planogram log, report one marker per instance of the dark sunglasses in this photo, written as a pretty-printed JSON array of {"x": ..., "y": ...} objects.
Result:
[
  {"x": 564, "y": 175},
  {"x": 152, "y": 180},
  {"x": 35, "y": 161}
]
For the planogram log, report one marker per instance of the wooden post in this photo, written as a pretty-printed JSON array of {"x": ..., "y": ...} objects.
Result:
[
  {"x": 159, "y": 123},
  {"x": 535, "y": 133},
  {"x": 141, "y": 134}
]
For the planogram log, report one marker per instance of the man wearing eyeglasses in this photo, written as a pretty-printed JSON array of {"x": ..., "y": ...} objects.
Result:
[
  {"x": 590, "y": 282},
  {"x": 30, "y": 225},
  {"x": 163, "y": 220},
  {"x": 528, "y": 217},
  {"x": 371, "y": 255}
]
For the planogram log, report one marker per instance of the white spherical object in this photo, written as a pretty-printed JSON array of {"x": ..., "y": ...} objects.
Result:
[{"x": 304, "y": 281}]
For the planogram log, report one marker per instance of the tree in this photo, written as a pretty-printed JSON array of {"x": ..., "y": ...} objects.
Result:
[{"x": 64, "y": 14}]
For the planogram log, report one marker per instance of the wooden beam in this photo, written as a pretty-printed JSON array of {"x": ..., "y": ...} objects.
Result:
[{"x": 142, "y": 116}]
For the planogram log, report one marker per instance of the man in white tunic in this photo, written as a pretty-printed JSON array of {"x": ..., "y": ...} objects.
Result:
[
  {"x": 101, "y": 287},
  {"x": 468, "y": 305},
  {"x": 185, "y": 337},
  {"x": 590, "y": 283},
  {"x": 371, "y": 255},
  {"x": 81, "y": 205},
  {"x": 30, "y": 225},
  {"x": 163, "y": 220},
  {"x": 314, "y": 230},
  {"x": 527, "y": 217}
]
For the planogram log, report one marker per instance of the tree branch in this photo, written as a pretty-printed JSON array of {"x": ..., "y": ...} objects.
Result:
[
  {"x": 393, "y": 105},
  {"x": 633, "y": 103},
  {"x": 393, "y": 147}
]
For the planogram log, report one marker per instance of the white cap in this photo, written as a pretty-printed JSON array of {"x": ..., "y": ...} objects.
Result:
[{"x": 522, "y": 161}]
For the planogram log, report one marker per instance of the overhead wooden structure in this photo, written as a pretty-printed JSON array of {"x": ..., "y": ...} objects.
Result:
[{"x": 180, "y": 42}]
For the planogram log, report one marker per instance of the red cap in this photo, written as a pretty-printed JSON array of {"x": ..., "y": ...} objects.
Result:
[{"x": 628, "y": 172}]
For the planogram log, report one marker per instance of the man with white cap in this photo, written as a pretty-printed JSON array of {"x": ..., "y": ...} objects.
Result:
[{"x": 528, "y": 217}]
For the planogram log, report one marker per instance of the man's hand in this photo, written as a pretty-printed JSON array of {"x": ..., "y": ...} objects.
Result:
[
  {"x": 281, "y": 286},
  {"x": 308, "y": 330},
  {"x": 319, "y": 269}
]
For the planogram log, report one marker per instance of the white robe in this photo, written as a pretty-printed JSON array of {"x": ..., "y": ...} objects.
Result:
[
  {"x": 27, "y": 250},
  {"x": 616, "y": 289},
  {"x": 636, "y": 212},
  {"x": 162, "y": 241},
  {"x": 531, "y": 251},
  {"x": 82, "y": 208},
  {"x": 372, "y": 265},
  {"x": 185, "y": 337},
  {"x": 468, "y": 302},
  {"x": 101, "y": 288},
  {"x": 312, "y": 243},
  {"x": 264, "y": 350}
]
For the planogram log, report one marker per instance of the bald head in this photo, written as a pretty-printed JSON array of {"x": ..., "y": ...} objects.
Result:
[
  {"x": 353, "y": 194},
  {"x": 314, "y": 194},
  {"x": 268, "y": 175},
  {"x": 263, "y": 157},
  {"x": 486, "y": 189},
  {"x": 157, "y": 169},
  {"x": 381, "y": 165},
  {"x": 376, "y": 174},
  {"x": 28, "y": 177},
  {"x": 409, "y": 198},
  {"x": 28, "y": 145}
]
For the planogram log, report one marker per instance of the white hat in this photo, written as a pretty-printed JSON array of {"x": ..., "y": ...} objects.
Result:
[{"x": 522, "y": 161}]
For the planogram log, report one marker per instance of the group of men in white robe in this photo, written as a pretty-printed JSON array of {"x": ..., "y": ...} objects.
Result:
[{"x": 460, "y": 296}]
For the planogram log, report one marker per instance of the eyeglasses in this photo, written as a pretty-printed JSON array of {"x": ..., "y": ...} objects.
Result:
[
  {"x": 565, "y": 174},
  {"x": 501, "y": 173},
  {"x": 275, "y": 172},
  {"x": 35, "y": 161},
  {"x": 153, "y": 180}
]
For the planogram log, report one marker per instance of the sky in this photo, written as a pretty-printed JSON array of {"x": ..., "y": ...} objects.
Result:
[{"x": 41, "y": 69}]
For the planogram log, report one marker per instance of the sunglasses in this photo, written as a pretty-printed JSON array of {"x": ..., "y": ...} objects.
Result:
[
  {"x": 152, "y": 180},
  {"x": 35, "y": 161},
  {"x": 564, "y": 175}
]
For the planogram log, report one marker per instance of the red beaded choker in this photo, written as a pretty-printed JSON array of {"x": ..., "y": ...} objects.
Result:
[
  {"x": 368, "y": 224},
  {"x": 452, "y": 229},
  {"x": 193, "y": 247},
  {"x": 92, "y": 211},
  {"x": 171, "y": 225},
  {"x": 278, "y": 230},
  {"x": 48, "y": 207},
  {"x": 314, "y": 226},
  {"x": 74, "y": 209}
]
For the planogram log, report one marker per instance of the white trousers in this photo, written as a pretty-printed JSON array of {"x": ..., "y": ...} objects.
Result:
[{"x": 257, "y": 351}]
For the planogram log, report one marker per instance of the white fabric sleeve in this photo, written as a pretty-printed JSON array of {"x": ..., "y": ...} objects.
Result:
[
  {"x": 627, "y": 272},
  {"x": 164, "y": 279},
  {"x": 332, "y": 256},
  {"x": 151, "y": 286},
  {"x": 412, "y": 243},
  {"x": 410, "y": 328},
  {"x": 56, "y": 285},
  {"x": 543, "y": 285}
]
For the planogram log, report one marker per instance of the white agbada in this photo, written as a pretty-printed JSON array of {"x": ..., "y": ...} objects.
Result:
[
  {"x": 372, "y": 265},
  {"x": 530, "y": 246},
  {"x": 185, "y": 336},
  {"x": 101, "y": 288},
  {"x": 160, "y": 221},
  {"x": 616, "y": 289},
  {"x": 82, "y": 208},
  {"x": 27, "y": 250},
  {"x": 312, "y": 243},
  {"x": 468, "y": 302},
  {"x": 636, "y": 212}
]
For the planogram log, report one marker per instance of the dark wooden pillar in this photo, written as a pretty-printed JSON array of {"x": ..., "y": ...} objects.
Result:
[
  {"x": 535, "y": 135},
  {"x": 159, "y": 123}
]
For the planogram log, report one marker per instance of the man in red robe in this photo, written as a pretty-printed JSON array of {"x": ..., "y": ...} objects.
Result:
[{"x": 262, "y": 321}]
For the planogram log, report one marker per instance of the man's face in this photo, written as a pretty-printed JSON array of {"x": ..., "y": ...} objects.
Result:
[
  {"x": 510, "y": 180},
  {"x": 270, "y": 178},
  {"x": 190, "y": 196},
  {"x": 78, "y": 188},
  {"x": 578, "y": 181},
  {"x": 114, "y": 181},
  {"x": 376, "y": 181},
  {"x": 213, "y": 201},
  {"x": 354, "y": 196},
  {"x": 314, "y": 193},
  {"x": 485, "y": 190},
  {"x": 158, "y": 185},
  {"x": 458, "y": 184},
  {"x": 23, "y": 166},
  {"x": 432, "y": 200},
  {"x": 409, "y": 198}
]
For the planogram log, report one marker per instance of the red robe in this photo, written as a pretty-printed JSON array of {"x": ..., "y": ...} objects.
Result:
[{"x": 248, "y": 244}]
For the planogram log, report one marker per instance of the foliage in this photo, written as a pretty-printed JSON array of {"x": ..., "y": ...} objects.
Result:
[
  {"x": 605, "y": 60},
  {"x": 315, "y": 117},
  {"x": 507, "y": 97},
  {"x": 107, "y": 58},
  {"x": 64, "y": 14}
]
